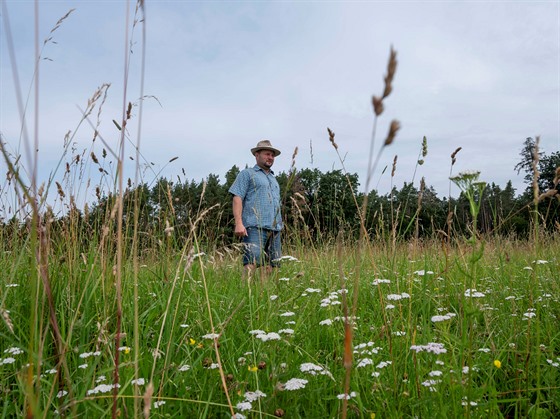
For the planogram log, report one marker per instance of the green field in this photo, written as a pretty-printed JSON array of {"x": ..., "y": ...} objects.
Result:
[{"x": 437, "y": 330}]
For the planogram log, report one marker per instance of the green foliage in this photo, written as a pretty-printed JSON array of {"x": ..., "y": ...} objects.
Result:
[{"x": 512, "y": 320}]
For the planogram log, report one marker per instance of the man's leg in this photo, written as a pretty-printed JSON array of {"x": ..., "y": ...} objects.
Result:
[
  {"x": 273, "y": 252},
  {"x": 253, "y": 251}
]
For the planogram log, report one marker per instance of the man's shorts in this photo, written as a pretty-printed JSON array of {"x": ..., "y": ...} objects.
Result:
[{"x": 262, "y": 247}]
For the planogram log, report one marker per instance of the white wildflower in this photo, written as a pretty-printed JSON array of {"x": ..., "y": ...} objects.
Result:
[
  {"x": 268, "y": 336},
  {"x": 103, "y": 388},
  {"x": 473, "y": 293},
  {"x": 61, "y": 394},
  {"x": 252, "y": 396},
  {"x": 295, "y": 384},
  {"x": 211, "y": 336},
  {"x": 378, "y": 281},
  {"x": 346, "y": 396},
  {"x": 310, "y": 368},
  {"x": 364, "y": 362},
  {"x": 244, "y": 406}
]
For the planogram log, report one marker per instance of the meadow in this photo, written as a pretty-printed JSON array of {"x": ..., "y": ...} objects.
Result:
[
  {"x": 437, "y": 330},
  {"x": 108, "y": 317}
]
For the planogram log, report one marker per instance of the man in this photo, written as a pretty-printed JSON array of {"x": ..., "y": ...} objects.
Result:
[{"x": 256, "y": 210}]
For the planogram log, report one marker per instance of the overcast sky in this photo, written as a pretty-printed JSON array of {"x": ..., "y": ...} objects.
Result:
[{"x": 478, "y": 75}]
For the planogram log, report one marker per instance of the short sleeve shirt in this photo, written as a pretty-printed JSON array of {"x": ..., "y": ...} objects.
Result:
[{"x": 260, "y": 194}]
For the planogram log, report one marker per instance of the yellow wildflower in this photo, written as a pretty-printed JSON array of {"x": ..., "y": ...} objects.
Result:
[{"x": 497, "y": 363}]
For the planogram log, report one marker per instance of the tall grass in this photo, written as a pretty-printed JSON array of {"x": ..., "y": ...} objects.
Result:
[{"x": 103, "y": 316}]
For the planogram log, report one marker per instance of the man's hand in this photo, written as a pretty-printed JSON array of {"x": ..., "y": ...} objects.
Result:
[{"x": 240, "y": 230}]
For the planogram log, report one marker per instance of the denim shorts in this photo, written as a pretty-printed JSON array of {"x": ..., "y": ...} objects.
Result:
[{"x": 262, "y": 247}]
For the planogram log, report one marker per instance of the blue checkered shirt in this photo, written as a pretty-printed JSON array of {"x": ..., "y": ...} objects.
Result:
[{"x": 260, "y": 194}]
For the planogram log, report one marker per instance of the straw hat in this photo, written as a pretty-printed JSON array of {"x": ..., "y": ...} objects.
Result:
[{"x": 265, "y": 145}]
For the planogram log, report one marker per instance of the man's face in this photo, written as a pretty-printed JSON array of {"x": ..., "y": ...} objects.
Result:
[{"x": 265, "y": 159}]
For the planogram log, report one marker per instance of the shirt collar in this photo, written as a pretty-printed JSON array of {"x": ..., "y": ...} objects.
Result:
[{"x": 256, "y": 168}]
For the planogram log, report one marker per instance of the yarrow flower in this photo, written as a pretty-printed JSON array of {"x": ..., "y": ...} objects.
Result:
[
  {"x": 378, "y": 281},
  {"x": 159, "y": 403},
  {"x": 364, "y": 362},
  {"x": 310, "y": 368},
  {"x": 383, "y": 364},
  {"x": 211, "y": 336},
  {"x": 397, "y": 297},
  {"x": 431, "y": 384},
  {"x": 268, "y": 336},
  {"x": 103, "y": 388},
  {"x": 88, "y": 354},
  {"x": 553, "y": 363},
  {"x": 433, "y": 347},
  {"x": 138, "y": 382},
  {"x": 422, "y": 272},
  {"x": 330, "y": 300},
  {"x": 473, "y": 293},
  {"x": 252, "y": 396},
  {"x": 346, "y": 396},
  {"x": 288, "y": 314},
  {"x": 244, "y": 406},
  {"x": 442, "y": 318},
  {"x": 295, "y": 384},
  {"x": 14, "y": 350},
  {"x": 184, "y": 367},
  {"x": 326, "y": 322}
]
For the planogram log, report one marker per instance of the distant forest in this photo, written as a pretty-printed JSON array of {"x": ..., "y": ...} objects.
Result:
[{"x": 320, "y": 206}]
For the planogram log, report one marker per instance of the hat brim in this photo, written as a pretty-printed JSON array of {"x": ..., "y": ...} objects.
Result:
[{"x": 274, "y": 150}]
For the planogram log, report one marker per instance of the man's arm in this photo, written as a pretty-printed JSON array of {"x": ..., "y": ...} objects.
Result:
[{"x": 240, "y": 230}]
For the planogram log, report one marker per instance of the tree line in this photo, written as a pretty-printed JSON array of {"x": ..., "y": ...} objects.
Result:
[{"x": 322, "y": 205}]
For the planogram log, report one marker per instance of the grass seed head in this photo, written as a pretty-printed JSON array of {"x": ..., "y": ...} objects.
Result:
[
  {"x": 453, "y": 159},
  {"x": 331, "y": 138},
  {"x": 394, "y": 166},
  {"x": 391, "y": 69},
  {"x": 393, "y": 128},
  {"x": 377, "y": 105}
]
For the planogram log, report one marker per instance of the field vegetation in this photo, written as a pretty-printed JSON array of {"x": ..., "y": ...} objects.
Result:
[{"x": 401, "y": 305}]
